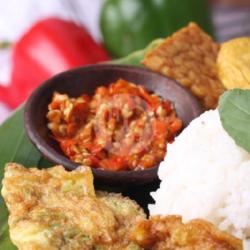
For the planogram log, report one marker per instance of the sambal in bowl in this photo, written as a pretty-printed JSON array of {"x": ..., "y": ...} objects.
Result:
[{"x": 116, "y": 119}]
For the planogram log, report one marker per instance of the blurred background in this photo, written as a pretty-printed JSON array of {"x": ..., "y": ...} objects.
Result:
[{"x": 41, "y": 38}]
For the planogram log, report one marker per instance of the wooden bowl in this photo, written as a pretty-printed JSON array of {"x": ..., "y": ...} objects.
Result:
[{"x": 85, "y": 80}]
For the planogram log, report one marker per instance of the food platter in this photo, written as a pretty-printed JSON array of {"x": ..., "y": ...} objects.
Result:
[{"x": 199, "y": 184}]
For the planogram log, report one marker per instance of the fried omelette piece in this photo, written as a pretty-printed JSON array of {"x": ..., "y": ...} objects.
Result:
[
  {"x": 126, "y": 213},
  {"x": 169, "y": 232},
  {"x": 189, "y": 56},
  {"x": 54, "y": 209}
]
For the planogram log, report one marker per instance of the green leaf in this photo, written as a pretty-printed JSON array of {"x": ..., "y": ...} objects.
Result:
[
  {"x": 5, "y": 242},
  {"x": 136, "y": 57},
  {"x": 234, "y": 109},
  {"x": 15, "y": 145}
]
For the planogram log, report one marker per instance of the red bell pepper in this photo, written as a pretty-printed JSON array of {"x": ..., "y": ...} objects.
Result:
[{"x": 52, "y": 45}]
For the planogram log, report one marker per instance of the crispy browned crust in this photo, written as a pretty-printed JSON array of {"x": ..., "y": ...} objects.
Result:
[
  {"x": 56, "y": 209},
  {"x": 189, "y": 56},
  {"x": 160, "y": 233}
]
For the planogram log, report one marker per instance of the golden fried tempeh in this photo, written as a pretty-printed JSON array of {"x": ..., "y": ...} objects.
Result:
[{"x": 189, "y": 56}]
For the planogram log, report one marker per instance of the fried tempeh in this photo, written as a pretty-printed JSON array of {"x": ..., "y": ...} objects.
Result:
[{"x": 189, "y": 56}]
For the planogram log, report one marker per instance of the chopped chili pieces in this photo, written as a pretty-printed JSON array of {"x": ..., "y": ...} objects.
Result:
[{"x": 121, "y": 127}]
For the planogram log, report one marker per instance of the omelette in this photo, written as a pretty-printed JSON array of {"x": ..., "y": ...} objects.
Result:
[
  {"x": 170, "y": 233},
  {"x": 55, "y": 209}
]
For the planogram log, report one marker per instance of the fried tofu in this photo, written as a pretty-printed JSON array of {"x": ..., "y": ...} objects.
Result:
[
  {"x": 55, "y": 209},
  {"x": 234, "y": 63},
  {"x": 167, "y": 233},
  {"x": 189, "y": 57}
]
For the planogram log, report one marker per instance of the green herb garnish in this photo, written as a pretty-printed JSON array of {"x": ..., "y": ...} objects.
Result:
[{"x": 234, "y": 109}]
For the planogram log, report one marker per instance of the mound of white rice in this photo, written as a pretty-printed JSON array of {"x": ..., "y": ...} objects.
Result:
[{"x": 206, "y": 175}]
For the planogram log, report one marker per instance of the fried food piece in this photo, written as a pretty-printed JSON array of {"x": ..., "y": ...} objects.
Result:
[
  {"x": 166, "y": 233},
  {"x": 126, "y": 212},
  {"x": 189, "y": 56},
  {"x": 54, "y": 209},
  {"x": 234, "y": 63}
]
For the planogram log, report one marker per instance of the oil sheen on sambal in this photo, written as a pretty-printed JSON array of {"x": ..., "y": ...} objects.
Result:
[{"x": 121, "y": 127}]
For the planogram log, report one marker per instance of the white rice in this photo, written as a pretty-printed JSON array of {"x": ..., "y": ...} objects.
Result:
[{"x": 206, "y": 175}]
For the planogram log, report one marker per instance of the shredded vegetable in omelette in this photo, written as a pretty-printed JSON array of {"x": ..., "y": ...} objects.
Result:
[{"x": 54, "y": 209}]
